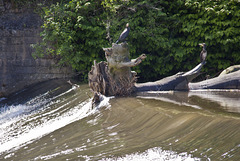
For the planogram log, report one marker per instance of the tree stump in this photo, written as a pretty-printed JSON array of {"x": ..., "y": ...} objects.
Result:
[{"x": 114, "y": 77}]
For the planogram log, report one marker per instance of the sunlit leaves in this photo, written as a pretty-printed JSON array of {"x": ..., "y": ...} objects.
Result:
[
  {"x": 74, "y": 31},
  {"x": 168, "y": 32},
  {"x": 215, "y": 23}
]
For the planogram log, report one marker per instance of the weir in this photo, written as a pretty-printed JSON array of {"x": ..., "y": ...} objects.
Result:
[{"x": 61, "y": 124}]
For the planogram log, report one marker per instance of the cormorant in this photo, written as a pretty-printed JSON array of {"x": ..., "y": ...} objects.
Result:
[
  {"x": 203, "y": 53},
  {"x": 124, "y": 34}
]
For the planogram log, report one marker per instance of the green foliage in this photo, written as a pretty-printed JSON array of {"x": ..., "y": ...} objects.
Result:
[
  {"x": 75, "y": 32},
  {"x": 215, "y": 23},
  {"x": 168, "y": 32}
]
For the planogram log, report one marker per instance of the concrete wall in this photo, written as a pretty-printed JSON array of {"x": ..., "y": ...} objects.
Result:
[{"x": 18, "y": 68}]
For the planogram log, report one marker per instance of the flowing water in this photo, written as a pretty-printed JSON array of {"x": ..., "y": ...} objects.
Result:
[{"x": 54, "y": 121}]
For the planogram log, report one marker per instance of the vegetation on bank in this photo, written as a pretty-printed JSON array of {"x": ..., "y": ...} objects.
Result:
[{"x": 168, "y": 32}]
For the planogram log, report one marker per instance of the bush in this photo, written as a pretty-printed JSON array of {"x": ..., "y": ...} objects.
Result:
[
  {"x": 75, "y": 32},
  {"x": 168, "y": 32},
  {"x": 216, "y": 24}
]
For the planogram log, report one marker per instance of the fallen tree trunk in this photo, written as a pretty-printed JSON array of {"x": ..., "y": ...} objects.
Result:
[
  {"x": 230, "y": 69},
  {"x": 115, "y": 78},
  {"x": 182, "y": 82},
  {"x": 178, "y": 81},
  {"x": 228, "y": 81}
]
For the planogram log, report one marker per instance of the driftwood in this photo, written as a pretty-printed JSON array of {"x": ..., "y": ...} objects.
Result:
[
  {"x": 230, "y": 69},
  {"x": 115, "y": 78},
  {"x": 182, "y": 82},
  {"x": 176, "y": 82},
  {"x": 227, "y": 81}
]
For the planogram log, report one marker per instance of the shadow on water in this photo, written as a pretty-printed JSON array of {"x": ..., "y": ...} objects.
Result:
[
  {"x": 45, "y": 89},
  {"x": 151, "y": 126}
]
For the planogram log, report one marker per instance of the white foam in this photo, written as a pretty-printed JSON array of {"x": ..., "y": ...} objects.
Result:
[
  {"x": 154, "y": 154},
  {"x": 26, "y": 134}
]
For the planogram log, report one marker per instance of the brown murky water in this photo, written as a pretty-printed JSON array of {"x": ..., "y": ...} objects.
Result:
[{"x": 202, "y": 125}]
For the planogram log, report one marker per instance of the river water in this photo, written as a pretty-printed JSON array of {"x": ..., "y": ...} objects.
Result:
[{"x": 55, "y": 121}]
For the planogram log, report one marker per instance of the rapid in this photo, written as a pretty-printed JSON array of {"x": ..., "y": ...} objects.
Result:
[{"x": 56, "y": 121}]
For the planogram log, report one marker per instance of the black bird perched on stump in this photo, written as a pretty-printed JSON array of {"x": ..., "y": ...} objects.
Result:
[
  {"x": 124, "y": 34},
  {"x": 203, "y": 53}
]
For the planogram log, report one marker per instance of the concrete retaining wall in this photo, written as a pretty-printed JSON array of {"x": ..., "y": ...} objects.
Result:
[{"x": 18, "y": 68}]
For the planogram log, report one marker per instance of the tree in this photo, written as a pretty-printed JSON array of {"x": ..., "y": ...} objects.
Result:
[{"x": 168, "y": 32}]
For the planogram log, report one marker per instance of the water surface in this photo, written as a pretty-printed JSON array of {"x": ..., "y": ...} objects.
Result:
[{"x": 60, "y": 124}]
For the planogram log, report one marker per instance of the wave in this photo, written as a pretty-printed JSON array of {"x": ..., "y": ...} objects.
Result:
[
  {"x": 154, "y": 154},
  {"x": 22, "y": 124}
]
